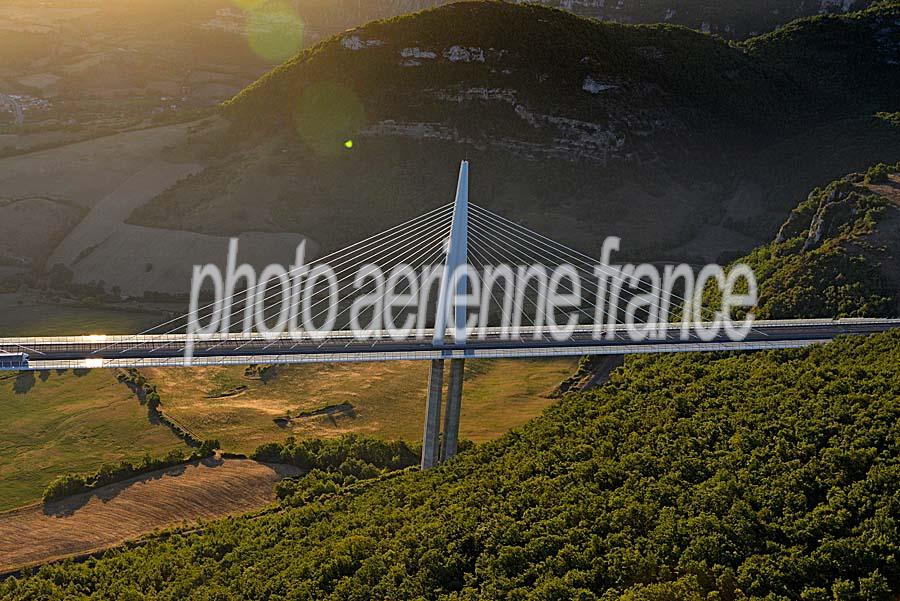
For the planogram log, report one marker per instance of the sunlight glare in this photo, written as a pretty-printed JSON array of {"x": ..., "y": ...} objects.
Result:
[
  {"x": 327, "y": 115},
  {"x": 275, "y": 32}
]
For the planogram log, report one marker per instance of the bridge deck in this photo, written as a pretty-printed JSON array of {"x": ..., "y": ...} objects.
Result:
[{"x": 342, "y": 346}]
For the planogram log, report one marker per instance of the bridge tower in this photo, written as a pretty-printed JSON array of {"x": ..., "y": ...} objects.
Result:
[{"x": 435, "y": 447}]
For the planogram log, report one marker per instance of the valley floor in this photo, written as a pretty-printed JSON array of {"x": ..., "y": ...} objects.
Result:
[
  {"x": 385, "y": 400},
  {"x": 73, "y": 422}
]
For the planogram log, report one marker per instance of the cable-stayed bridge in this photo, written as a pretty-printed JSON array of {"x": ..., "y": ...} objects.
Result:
[
  {"x": 340, "y": 347},
  {"x": 458, "y": 282}
]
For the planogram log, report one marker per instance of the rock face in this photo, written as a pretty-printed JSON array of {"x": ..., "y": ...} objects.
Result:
[
  {"x": 826, "y": 213},
  {"x": 836, "y": 210},
  {"x": 821, "y": 216},
  {"x": 836, "y": 255}
]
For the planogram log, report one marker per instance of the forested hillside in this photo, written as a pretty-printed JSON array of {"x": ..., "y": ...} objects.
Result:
[
  {"x": 837, "y": 254},
  {"x": 767, "y": 475},
  {"x": 846, "y": 63}
]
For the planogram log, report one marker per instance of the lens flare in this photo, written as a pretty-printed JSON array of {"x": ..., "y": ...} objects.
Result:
[
  {"x": 275, "y": 31},
  {"x": 248, "y": 5},
  {"x": 327, "y": 116}
]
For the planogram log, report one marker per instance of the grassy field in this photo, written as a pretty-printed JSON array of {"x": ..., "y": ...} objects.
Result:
[
  {"x": 36, "y": 319},
  {"x": 388, "y": 399},
  {"x": 55, "y": 423}
]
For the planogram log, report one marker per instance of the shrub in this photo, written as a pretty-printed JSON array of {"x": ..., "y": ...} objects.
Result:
[
  {"x": 332, "y": 454},
  {"x": 108, "y": 473},
  {"x": 336, "y": 463},
  {"x": 63, "y": 486},
  {"x": 877, "y": 174},
  {"x": 208, "y": 447}
]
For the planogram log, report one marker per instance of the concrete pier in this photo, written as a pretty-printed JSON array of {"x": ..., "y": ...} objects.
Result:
[
  {"x": 450, "y": 438},
  {"x": 432, "y": 435}
]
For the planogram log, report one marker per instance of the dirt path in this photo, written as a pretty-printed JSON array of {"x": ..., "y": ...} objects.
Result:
[{"x": 120, "y": 512}]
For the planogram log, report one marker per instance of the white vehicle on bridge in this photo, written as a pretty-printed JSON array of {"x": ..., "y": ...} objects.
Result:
[{"x": 13, "y": 361}]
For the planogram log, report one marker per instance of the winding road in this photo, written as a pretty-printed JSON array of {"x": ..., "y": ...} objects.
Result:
[{"x": 16, "y": 107}]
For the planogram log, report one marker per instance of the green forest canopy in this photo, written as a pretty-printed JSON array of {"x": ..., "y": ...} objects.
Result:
[{"x": 766, "y": 475}]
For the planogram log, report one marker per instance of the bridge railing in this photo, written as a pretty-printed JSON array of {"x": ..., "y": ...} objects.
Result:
[{"x": 425, "y": 334}]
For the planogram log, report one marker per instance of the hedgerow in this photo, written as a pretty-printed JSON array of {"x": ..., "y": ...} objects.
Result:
[{"x": 109, "y": 473}]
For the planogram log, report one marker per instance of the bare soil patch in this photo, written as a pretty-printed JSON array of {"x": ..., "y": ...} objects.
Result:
[{"x": 114, "y": 514}]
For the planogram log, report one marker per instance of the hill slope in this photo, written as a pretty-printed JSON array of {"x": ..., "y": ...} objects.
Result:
[
  {"x": 472, "y": 44},
  {"x": 74, "y": 423},
  {"x": 731, "y": 19},
  {"x": 846, "y": 63},
  {"x": 114, "y": 513},
  {"x": 663, "y": 134},
  {"x": 60, "y": 422},
  {"x": 744, "y": 475},
  {"x": 836, "y": 255}
]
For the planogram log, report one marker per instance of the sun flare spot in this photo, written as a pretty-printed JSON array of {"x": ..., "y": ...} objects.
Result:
[
  {"x": 275, "y": 32},
  {"x": 327, "y": 114}
]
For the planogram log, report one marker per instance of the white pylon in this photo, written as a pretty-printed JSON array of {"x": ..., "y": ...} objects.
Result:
[
  {"x": 457, "y": 256},
  {"x": 435, "y": 447}
]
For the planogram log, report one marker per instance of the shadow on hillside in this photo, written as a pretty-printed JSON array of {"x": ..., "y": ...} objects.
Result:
[
  {"x": 24, "y": 382},
  {"x": 153, "y": 416},
  {"x": 68, "y": 506},
  {"x": 152, "y": 412},
  {"x": 283, "y": 470},
  {"x": 269, "y": 374}
]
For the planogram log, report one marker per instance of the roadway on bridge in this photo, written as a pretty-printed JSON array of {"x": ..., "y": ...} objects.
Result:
[{"x": 102, "y": 351}]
